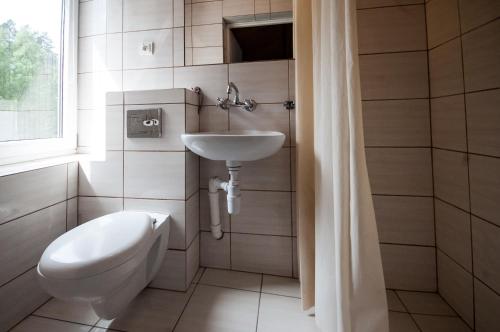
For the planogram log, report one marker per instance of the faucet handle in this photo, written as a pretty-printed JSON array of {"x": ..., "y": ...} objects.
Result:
[
  {"x": 223, "y": 103},
  {"x": 249, "y": 105}
]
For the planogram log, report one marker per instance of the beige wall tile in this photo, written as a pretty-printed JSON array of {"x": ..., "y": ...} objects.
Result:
[
  {"x": 178, "y": 43},
  {"x": 91, "y": 53},
  {"x": 192, "y": 174},
  {"x": 148, "y": 79},
  {"x": 400, "y": 171},
  {"x": 455, "y": 286},
  {"x": 391, "y": 29},
  {"x": 486, "y": 247},
  {"x": 207, "y": 12},
  {"x": 262, "y": 6},
  {"x": 92, "y": 18},
  {"x": 30, "y": 191},
  {"x": 211, "y": 168},
  {"x": 147, "y": 14},
  {"x": 394, "y": 76},
  {"x": 281, "y": 6},
  {"x": 162, "y": 176},
  {"x": 442, "y": 21},
  {"x": 215, "y": 253},
  {"x": 453, "y": 233},
  {"x": 213, "y": 118},
  {"x": 178, "y": 14},
  {"x": 393, "y": 302},
  {"x": 207, "y": 35},
  {"x": 172, "y": 273},
  {"x": 264, "y": 213},
  {"x": 114, "y": 51},
  {"x": 212, "y": 80},
  {"x": 162, "y": 56},
  {"x": 192, "y": 259},
  {"x": 208, "y": 55},
  {"x": 237, "y": 7},
  {"x": 114, "y": 16},
  {"x": 262, "y": 253},
  {"x": 445, "y": 69},
  {"x": 451, "y": 182},
  {"x": 448, "y": 123},
  {"x": 192, "y": 219},
  {"x": 265, "y": 82},
  {"x": 24, "y": 240},
  {"x": 114, "y": 127},
  {"x": 405, "y": 220},
  {"x": 19, "y": 298},
  {"x": 396, "y": 123},
  {"x": 93, "y": 207},
  {"x": 487, "y": 304},
  {"x": 102, "y": 178},
  {"x": 483, "y": 122},
  {"x": 296, "y": 268},
  {"x": 485, "y": 187},
  {"x": 272, "y": 173},
  {"x": 481, "y": 50},
  {"x": 409, "y": 267},
  {"x": 475, "y": 13},
  {"x": 381, "y": 3},
  {"x": 72, "y": 213},
  {"x": 175, "y": 208},
  {"x": 273, "y": 117}
]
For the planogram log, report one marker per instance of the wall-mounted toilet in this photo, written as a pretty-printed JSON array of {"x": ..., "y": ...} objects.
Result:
[{"x": 106, "y": 261}]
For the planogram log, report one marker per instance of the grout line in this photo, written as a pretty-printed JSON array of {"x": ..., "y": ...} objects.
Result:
[
  {"x": 432, "y": 154},
  {"x": 394, "y": 52},
  {"x": 258, "y": 305},
  {"x": 62, "y": 320},
  {"x": 392, "y": 6},
  {"x": 195, "y": 286},
  {"x": 468, "y": 212},
  {"x": 408, "y": 311}
]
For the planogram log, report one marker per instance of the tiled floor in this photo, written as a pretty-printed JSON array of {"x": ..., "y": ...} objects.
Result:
[{"x": 230, "y": 301}]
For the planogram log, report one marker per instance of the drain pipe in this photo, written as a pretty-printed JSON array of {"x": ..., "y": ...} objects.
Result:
[{"x": 232, "y": 188}]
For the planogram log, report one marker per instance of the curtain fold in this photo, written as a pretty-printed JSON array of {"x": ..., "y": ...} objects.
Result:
[
  {"x": 348, "y": 279},
  {"x": 305, "y": 148}
]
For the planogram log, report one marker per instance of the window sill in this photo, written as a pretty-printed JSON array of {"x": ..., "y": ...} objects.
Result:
[{"x": 27, "y": 166}]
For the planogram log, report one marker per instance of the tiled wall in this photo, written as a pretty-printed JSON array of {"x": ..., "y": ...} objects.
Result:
[
  {"x": 395, "y": 94},
  {"x": 35, "y": 208},
  {"x": 464, "y": 54},
  {"x": 204, "y": 24},
  {"x": 262, "y": 238}
]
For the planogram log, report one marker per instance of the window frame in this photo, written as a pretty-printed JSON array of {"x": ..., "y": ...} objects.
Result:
[{"x": 32, "y": 149}]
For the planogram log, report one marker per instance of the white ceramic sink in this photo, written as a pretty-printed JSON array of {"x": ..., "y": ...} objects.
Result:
[{"x": 235, "y": 145}]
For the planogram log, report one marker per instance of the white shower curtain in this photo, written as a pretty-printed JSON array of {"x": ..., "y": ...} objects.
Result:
[{"x": 349, "y": 283}]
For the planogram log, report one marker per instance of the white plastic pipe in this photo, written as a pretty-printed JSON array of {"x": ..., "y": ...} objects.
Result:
[{"x": 233, "y": 198}]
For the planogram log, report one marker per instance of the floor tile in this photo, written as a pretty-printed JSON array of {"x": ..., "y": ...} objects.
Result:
[
  {"x": 282, "y": 313},
  {"x": 152, "y": 310},
  {"x": 232, "y": 279},
  {"x": 217, "y": 309},
  {"x": 281, "y": 286},
  {"x": 401, "y": 322},
  {"x": 393, "y": 302},
  {"x": 425, "y": 303},
  {"x": 39, "y": 324},
  {"x": 77, "y": 312},
  {"x": 429, "y": 323}
]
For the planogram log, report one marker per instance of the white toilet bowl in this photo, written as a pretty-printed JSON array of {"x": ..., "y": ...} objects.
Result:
[{"x": 106, "y": 261}]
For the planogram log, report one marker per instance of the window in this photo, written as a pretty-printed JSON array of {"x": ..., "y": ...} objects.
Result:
[{"x": 37, "y": 59}]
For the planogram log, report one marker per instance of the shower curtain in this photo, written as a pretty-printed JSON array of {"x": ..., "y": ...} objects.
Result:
[{"x": 348, "y": 280}]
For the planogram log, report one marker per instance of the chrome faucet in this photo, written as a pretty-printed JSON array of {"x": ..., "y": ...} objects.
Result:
[{"x": 225, "y": 103}]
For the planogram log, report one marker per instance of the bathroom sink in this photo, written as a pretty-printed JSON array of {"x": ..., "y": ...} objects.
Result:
[{"x": 235, "y": 145}]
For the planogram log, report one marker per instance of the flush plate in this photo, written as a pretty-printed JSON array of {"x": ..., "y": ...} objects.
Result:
[{"x": 144, "y": 123}]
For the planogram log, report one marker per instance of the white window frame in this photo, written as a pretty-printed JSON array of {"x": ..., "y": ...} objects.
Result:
[{"x": 27, "y": 150}]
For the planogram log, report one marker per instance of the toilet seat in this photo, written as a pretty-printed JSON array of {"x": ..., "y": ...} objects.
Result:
[{"x": 97, "y": 246}]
